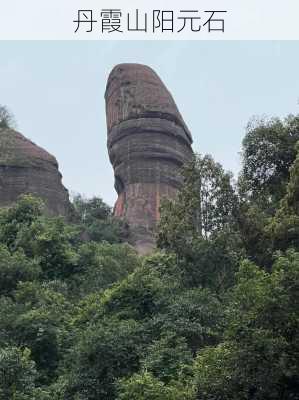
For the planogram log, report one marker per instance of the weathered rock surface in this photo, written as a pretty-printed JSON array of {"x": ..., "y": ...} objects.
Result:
[
  {"x": 148, "y": 142},
  {"x": 26, "y": 168}
]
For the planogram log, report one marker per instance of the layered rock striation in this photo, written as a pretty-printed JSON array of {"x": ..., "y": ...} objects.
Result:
[
  {"x": 148, "y": 142},
  {"x": 26, "y": 168}
]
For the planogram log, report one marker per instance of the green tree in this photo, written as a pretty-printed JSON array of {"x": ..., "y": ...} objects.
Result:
[
  {"x": 268, "y": 153},
  {"x": 200, "y": 227},
  {"x": 105, "y": 352},
  {"x": 52, "y": 241},
  {"x": 145, "y": 386},
  {"x": 204, "y": 205},
  {"x": 42, "y": 324},
  {"x": 15, "y": 268},
  {"x": 141, "y": 295},
  {"x": 98, "y": 221},
  {"x": 252, "y": 222},
  {"x": 102, "y": 264},
  {"x": 196, "y": 315},
  {"x": 167, "y": 358},
  {"x": 258, "y": 359},
  {"x": 90, "y": 209},
  {"x": 17, "y": 374},
  {"x": 13, "y": 219},
  {"x": 269, "y": 149},
  {"x": 283, "y": 229}
]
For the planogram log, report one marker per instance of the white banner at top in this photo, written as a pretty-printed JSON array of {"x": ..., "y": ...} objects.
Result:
[{"x": 149, "y": 20}]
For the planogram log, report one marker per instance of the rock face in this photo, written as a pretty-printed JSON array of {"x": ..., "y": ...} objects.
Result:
[
  {"x": 148, "y": 142},
  {"x": 26, "y": 168}
]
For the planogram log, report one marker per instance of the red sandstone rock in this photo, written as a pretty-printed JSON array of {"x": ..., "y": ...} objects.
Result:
[
  {"x": 148, "y": 142},
  {"x": 26, "y": 168}
]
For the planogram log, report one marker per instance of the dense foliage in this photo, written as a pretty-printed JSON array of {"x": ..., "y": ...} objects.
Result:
[{"x": 213, "y": 314}]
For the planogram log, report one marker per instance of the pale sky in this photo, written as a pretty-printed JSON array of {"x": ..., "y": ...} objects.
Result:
[{"x": 56, "y": 92}]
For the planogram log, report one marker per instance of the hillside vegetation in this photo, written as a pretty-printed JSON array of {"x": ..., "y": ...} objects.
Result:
[{"x": 211, "y": 315}]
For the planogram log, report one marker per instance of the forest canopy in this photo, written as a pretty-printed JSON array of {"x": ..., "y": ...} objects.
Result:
[{"x": 212, "y": 314}]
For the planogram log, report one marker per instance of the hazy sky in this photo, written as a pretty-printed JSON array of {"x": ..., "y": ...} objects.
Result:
[{"x": 56, "y": 91}]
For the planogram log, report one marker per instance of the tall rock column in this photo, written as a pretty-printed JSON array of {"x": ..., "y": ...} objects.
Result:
[
  {"x": 148, "y": 142},
  {"x": 26, "y": 168}
]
